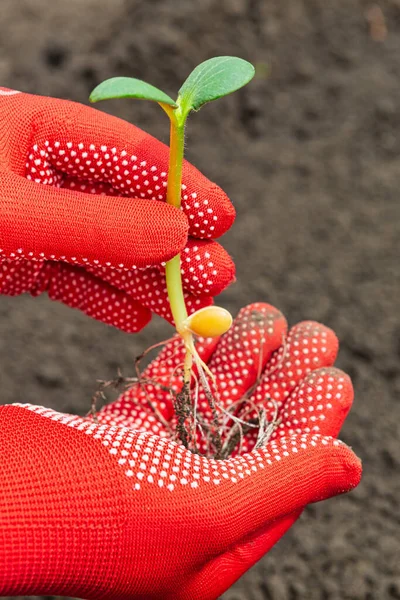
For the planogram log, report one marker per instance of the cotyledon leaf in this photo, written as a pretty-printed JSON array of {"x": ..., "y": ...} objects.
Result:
[
  {"x": 128, "y": 87},
  {"x": 213, "y": 79}
]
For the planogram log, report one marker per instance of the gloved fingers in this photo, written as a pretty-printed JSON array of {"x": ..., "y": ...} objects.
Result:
[
  {"x": 77, "y": 288},
  {"x": 145, "y": 287},
  {"x": 148, "y": 288},
  {"x": 45, "y": 222},
  {"x": 150, "y": 405},
  {"x": 320, "y": 404},
  {"x": 308, "y": 346},
  {"x": 83, "y": 142},
  {"x": 258, "y": 488},
  {"x": 206, "y": 270},
  {"x": 242, "y": 354},
  {"x": 236, "y": 360}
]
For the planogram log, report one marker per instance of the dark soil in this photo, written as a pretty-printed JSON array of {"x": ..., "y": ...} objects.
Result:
[{"x": 311, "y": 159}]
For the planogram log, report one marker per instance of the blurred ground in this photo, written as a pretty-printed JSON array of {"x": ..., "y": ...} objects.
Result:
[{"x": 311, "y": 158}]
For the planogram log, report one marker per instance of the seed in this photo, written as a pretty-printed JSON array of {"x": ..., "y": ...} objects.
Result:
[{"x": 210, "y": 321}]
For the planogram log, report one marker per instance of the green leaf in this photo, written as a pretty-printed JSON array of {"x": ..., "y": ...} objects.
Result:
[
  {"x": 213, "y": 79},
  {"x": 128, "y": 87}
]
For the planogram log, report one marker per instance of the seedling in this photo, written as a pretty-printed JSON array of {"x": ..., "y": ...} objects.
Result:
[{"x": 209, "y": 81}]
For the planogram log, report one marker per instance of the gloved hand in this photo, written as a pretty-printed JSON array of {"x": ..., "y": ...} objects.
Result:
[
  {"x": 80, "y": 215},
  {"x": 119, "y": 510}
]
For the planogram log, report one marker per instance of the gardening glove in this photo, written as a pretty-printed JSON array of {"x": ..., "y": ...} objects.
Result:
[
  {"x": 119, "y": 509},
  {"x": 79, "y": 217}
]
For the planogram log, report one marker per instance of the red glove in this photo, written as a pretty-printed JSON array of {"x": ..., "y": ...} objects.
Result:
[
  {"x": 64, "y": 231},
  {"x": 118, "y": 510}
]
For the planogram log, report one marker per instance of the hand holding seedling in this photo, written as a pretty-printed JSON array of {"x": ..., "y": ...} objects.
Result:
[
  {"x": 83, "y": 215},
  {"x": 119, "y": 510}
]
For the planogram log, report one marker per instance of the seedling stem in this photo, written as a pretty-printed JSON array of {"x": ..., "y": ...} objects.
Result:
[{"x": 210, "y": 80}]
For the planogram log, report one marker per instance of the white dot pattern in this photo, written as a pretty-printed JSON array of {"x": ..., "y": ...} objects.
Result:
[
  {"x": 117, "y": 297},
  {"x": 18, "y": 276},
  {"x": 79, "y": 289},
  {"x": 256, "y": 332},
  {"x": 76, "y": 288},
  {"x": 201, "y": 262},
  {"x": 206, "y": 271},
  {"x": 310, "y": 401},
  {"x": 324, "y": 394},
  {"x": 135, "y": 407},
  {"x": 148, "y": 460},
  {"x": 103, "y": 169},
  {"x": 308, "y": 346}
]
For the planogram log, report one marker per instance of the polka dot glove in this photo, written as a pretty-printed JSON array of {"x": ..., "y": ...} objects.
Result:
[
  {"x": 121, "y": 510},
  {"x": 83, "y": 217}
]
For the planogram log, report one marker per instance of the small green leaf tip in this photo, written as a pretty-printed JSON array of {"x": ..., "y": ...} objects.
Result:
[
  {"x": 213, "y": 79},
  {"x": 128, "y": 87}
]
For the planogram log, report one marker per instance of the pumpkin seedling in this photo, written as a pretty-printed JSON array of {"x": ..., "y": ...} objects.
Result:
[{"x": 209, "y": 81}]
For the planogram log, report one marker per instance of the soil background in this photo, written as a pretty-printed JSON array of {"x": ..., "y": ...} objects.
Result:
[{"x": 310, "y": 156}]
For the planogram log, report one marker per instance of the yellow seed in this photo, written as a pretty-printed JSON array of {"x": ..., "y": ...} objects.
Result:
[{"x": 210, "y": 321}]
